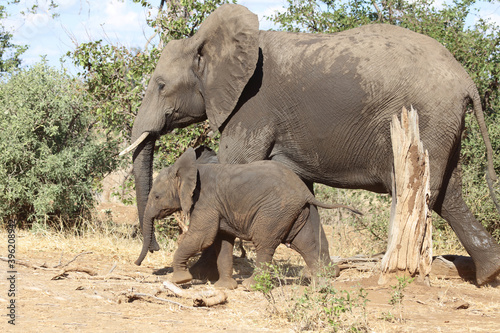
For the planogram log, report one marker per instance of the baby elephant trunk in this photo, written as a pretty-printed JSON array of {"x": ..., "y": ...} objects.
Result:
[{"x": 147, "y": 234}]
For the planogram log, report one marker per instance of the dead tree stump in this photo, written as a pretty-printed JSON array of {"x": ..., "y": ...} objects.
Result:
[{"x": 409, "y": 248}]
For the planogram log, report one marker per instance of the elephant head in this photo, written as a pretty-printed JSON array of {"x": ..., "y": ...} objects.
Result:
[
  {"x": 172, "y": 191},
  {"x": 196, "y": 78}
]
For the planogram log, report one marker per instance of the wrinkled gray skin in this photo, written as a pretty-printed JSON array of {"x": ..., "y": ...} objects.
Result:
[
  {"x": 263, "y": 202},
  {"x": 321, "y": 105}
]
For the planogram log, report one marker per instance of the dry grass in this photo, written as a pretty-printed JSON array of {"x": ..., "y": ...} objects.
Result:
[
  {"x": 97, "y": 236},
  {"x": 426, "y": 309}
]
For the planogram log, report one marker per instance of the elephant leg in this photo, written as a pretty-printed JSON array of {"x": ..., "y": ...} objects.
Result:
[
  {"x": 202, "y": 233},
  {"x": 317, "y": 228},
  {"x": 224, "y": 255},
  {"x": 264, "y": 258},
  {"x": 206, "y": 267},
  {"x": 480, "y": 245},
  {"x": 310, "y": 242}
]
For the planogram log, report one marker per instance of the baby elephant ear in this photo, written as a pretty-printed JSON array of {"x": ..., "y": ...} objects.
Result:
[{"x": 187, "y": 176}]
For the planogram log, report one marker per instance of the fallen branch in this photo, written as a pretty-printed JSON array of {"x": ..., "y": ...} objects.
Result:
[
  {"x": 111, "y": 277},
  {"x": 63, "y": 273},
  {"x": 360, "y": 263},
  {"x": 366, "y": 267},
  {"x": 204, "y": 298},
  {"x": 133, "y": 296},
  {"x": 453, "y": 267}
]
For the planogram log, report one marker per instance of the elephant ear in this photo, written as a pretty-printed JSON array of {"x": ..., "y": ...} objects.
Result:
[
  {"x": 228, "y": 44},
  {"x": 187, "y": 177}
]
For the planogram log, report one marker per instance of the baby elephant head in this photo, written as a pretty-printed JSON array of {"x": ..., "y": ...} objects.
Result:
[{"x": 172, "y": 191}]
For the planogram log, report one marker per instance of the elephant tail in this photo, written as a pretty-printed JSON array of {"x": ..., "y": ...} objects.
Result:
[
  {"x": 312, "y": 200},
  {"x": 490, "y": 174},
  {"x": 478, "y": 111}
]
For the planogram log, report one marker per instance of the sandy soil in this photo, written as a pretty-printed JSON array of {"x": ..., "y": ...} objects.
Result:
[{"x": 68, "y": 283}]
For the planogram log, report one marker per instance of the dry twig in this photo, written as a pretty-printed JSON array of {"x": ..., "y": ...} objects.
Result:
[{"x": 69, "y": 262}]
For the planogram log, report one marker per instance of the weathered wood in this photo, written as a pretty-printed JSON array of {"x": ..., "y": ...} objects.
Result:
[
  {"x": 409, "y": 248},
  {"x": 200, "y": 298},
  {"x": 453, "y": 267}
]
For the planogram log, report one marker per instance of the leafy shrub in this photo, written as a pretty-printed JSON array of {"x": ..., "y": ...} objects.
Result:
[
  {"x": 315, "y": 308},
  {"x": 50, "y": 155},
  {"x": 330, "y": 310}
]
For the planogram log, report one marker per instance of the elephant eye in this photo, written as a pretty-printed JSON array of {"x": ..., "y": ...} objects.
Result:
[
  {"x": 199, "y": 63},
  {"x": 161, "y": 85}
]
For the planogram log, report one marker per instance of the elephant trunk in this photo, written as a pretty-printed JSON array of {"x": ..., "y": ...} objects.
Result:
[
  {"x": 148, "y": 236},
  {"x": 143, "y": 173}
]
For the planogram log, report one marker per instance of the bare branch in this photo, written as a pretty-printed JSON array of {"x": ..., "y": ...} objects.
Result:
[{"x": 379, "y": 13}]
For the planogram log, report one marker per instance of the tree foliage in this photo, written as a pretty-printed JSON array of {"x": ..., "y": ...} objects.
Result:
[
  {"x": 10, "y": 53},
  {"x": 50, "y": 156}
]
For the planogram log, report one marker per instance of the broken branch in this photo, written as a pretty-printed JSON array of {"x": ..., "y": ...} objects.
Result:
[{"x": 204, "y": 298}]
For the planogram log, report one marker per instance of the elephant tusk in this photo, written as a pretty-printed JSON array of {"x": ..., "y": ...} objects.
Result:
[{"x": 135, "y": 144}]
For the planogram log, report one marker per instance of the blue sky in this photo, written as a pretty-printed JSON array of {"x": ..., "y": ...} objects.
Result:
[{"x": 116, "y": 21}]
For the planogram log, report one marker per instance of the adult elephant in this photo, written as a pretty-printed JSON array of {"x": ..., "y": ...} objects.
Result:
[{"x": 320, "y": 104}]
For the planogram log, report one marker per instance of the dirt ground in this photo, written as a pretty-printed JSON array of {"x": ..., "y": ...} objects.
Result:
[{"x": 85, "y": 284}]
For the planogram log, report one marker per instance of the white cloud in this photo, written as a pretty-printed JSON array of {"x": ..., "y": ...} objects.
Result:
[
  {"x": 119, "y": 16},
  {"x": 114, "y": 21}
]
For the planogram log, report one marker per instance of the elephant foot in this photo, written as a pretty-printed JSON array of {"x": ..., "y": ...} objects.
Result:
[
  {"x": 226, "y": 283},
  {"x": 324, "y": 276},
  {"x": 487, "y": 272},
  {"x": 249, "y": 283},
  {"x": 182, "y": 276}
]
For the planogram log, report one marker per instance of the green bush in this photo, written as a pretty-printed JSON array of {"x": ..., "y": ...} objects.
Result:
[{"x": 50, "y": 155}]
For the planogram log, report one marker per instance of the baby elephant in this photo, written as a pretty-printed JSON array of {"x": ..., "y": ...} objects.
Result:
[{"x": 263, "y": 202}]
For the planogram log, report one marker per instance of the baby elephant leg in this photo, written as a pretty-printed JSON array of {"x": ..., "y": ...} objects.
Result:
[
  {"x": 264, "y": 258},
  {"x": 224, "y": 249},
  {"x": 310, "y": 242}
]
